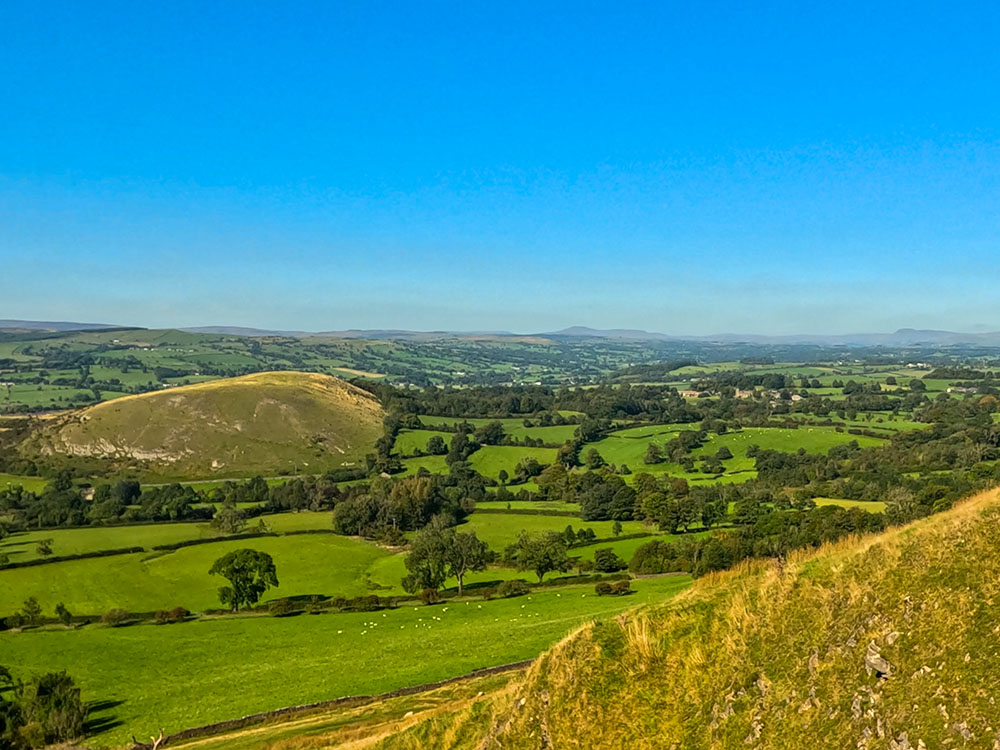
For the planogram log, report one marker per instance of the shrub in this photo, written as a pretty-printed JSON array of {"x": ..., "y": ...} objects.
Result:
[
  {"x": 620, "y": 588},
  {"x": 165, "y": 616},
  {"x": 516, "y": 587},
  {"x": 603, "y": 588},
  {"x": 281, "y": 607},
  {"x": 488, "y": 593},
  {"x": 430, "y": 596},
  {"x": 63, "y": 614},
  {"x": 114, "y": 617}
]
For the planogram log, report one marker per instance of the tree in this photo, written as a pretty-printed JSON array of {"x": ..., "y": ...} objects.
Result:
[
  {"x": 606, "y": 561},
  {"x": 52, "y": 703},
  {"x": 428, "y": 558},
  {"x": 593, "y": 460},
  {"x": 465, "y": 554},
  {"x": 436, "y": 446},
  {"x": 542, "y": 554},
  {"x": 616, "y": 528},
  {"x": 63, "y": 614},
  {"x": 228, "y": 518},
  {"x": 250, "y": 573},
  {"x": 31, "y": 612},
  {"x": 438, "y": 552},
  {"x": 44, "y": 547},
  {"x": 654, "y": 454}
]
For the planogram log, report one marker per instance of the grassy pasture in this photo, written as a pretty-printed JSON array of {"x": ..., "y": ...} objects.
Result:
[
  {"x": 20, "y": 546},
  {"x": 312, "y": 564},
  {"x": 629, "y": 447},
  {"x": 871, "y": 507},
  {"x": 554, "y": 434},
  {"x": 539, "y": 505},
  {"x": 409, "y": 442},
  {"x": 321, "y": 657},
  {"x": 501, "y": 529},
  {"x": 32, "y": 484},
  {"x": 490, "y": 459}
]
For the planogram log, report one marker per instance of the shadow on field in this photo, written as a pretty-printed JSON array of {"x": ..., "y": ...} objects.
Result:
[{"x": 96, "y": 724}]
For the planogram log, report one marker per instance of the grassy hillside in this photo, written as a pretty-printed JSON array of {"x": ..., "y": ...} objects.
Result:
[
  {"x": 257, "y": 424},
  {"x": 881, "y": 642}
]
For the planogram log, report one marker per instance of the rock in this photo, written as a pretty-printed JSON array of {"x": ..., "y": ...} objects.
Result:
[
  {"x": 874, "y": 662},
  {"x": 902, "y": 742}
]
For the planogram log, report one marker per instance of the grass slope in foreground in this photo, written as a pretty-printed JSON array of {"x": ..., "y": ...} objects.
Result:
[
  {"x": 779, "y": 656},
  {"x": 190, "y": 674},
  {"x": 264, "y": 423}
]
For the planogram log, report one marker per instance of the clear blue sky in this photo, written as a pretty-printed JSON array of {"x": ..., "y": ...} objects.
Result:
[{"x": 680, "y": 167}]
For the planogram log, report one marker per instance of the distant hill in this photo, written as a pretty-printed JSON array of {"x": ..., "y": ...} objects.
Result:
[
  {"x": 264, "y": 423},
  {"x": 903, "y": 337},
  {"x": 43, "y": 325},
  {"x": 885, "y": 642}
]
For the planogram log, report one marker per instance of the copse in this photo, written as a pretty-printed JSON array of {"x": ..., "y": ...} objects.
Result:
[
  {"x": 439, "y": 552},
  {"x": 45, "y": 710},
  {"x": 409, "y": 504},
  {"x": 540, "y": 554},
  {"x": 250, "y": 573}
]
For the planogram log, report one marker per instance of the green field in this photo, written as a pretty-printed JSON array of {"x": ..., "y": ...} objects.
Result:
[
  {"x": 321, "y": 564},
  {"x": 871, "y": 507},
  {"x": 501, "y": 529},
  {"x": 629, "y": 447},
  {"x": 539, "y": 505},
  {"x": 312, "y": 564},
  {"x": 488, "y": 460},
  {"x": 414, "y": 442},
  {"x": 32, "y": 484},
  {"x": 20, "y": 546},
  {"x": 160, "y": 673},
  {"x": 553, "y": 434}
]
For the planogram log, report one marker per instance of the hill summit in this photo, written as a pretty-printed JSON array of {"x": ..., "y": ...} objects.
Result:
[
  {"x": 889, "y": 641},
  {"x": 265, "y": 423}
]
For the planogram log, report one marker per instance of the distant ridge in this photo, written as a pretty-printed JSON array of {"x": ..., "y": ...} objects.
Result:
[
  {"x": 45, "y": 325},
  {"x": 903, "y": 337}
]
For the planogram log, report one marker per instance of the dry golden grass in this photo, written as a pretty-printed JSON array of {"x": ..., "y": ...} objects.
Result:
[
  {"x": 263, "y": 423},
  {"x": 780, "y": 655}
]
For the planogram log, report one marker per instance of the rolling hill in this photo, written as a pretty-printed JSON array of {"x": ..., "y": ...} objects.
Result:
[
  {"x": 889, "y": 641},
  {"x": 265, "y": 423}
]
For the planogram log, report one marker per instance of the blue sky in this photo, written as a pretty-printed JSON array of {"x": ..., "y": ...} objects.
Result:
[{"x": 686, "y": 168}]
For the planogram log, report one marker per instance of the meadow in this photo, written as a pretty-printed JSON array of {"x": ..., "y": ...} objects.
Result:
[
  {"x": 153, "y": 676},
  {"x": 489, "y": 460},
  {"x": 309, "y": 564},
  {"x": 629, "y": 447}
]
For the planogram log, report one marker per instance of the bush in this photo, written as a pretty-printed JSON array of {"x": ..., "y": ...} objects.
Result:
[
  {"x": 488, "y": 593},
  {"x": 281, "y": 607},
  {"x": 166, "y": 616},
  {"x": 115, "y": 617},
  {"x": 603, "y": 588},
  {"x": 516, "y": 587},
  {"x": 430, "y": 596},
  {"x": 620, "y": 588}
]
